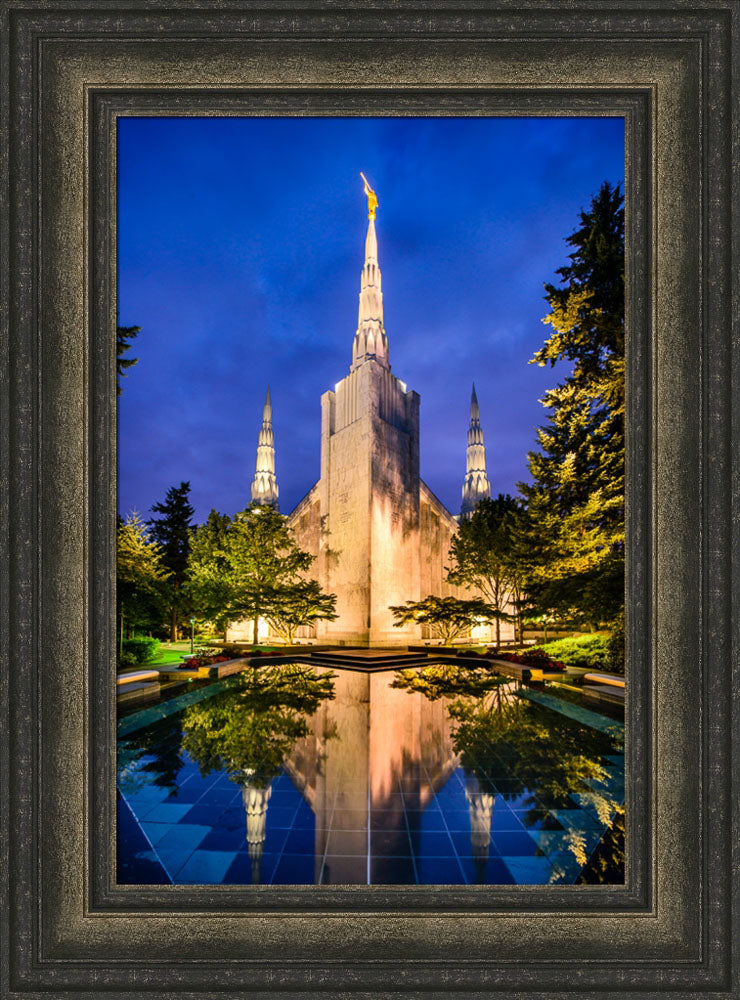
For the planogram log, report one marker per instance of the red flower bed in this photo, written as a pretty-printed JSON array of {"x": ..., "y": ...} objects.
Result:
[
  {"x": 194, "y": 662},
  {"x": 529, "y": 658}
]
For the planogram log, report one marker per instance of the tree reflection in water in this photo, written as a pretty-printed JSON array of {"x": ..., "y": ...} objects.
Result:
[
  {"x": 249, "y": 731},
  {"x": 510, "y": 747},
  {"x": 154, "y": 758}
]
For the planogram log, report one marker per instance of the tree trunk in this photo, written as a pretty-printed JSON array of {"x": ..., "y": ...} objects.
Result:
[
  {"x": 255, "y": 634},
  {"x": 173, "y": 624},
  {"x": 497, "y": 606}
]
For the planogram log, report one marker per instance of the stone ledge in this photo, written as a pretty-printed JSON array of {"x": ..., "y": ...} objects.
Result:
[{"x": 137, "y": 675}]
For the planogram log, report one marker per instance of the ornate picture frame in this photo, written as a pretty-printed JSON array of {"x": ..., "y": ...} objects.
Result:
[{"x": 69, "y": 71}]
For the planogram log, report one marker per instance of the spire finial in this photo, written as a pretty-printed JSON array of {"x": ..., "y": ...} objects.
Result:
[
  {"x": 372, "y": 198},
  {"x": 474, "y": 413}
]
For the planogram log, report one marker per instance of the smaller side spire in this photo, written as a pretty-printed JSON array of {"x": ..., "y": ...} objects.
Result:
[
  {"x": 264, "y": 485},
  {"x": 475, "y": 486}
]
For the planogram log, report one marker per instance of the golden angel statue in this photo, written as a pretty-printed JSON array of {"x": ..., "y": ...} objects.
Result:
[{"x": 372, "y": 198}]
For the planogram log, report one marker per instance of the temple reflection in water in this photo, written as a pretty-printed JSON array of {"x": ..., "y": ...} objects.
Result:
[{"x": 300, "y": 774}]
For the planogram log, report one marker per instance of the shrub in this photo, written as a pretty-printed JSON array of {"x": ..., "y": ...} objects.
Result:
[
  {"x": 232, "y": 650},
  {"x": 615, "y": 647},
  {"x": 140, "y": 649},
  {"x": 591, "y": 651}
]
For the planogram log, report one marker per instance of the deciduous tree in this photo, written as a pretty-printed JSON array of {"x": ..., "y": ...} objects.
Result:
[
  {"x": 244, "y": 563},
  {"x": 207, "y": 583},
  {"x": 482, "y": 555},
  {"x": 292, "y": 605},
  {"x": 447, "y": 617}
]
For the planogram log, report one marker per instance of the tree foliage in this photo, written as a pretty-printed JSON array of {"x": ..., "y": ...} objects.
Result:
[
  {"x": 448, "y": 617},
  {"x": 141, "y": 575},
  {"x": 207, "y": 584},
  {"x": 124, "y": 336},
  {"x": 576, "y": 497},
  {"x": 250, "y": 567},
  {"x": 292, "y": 605},
  {"x": 485, "y": 555},
  {"x": 172, "y": 532}
]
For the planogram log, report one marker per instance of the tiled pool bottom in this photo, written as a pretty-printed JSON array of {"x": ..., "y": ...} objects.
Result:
[{"x": 372, "y": 794}]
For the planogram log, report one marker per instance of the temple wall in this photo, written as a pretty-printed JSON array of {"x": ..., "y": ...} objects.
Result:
[
  {"x": 368, "y": 505},
  {"x": 438, "y": 528},
  {"x": 344, "y": 489},
  {"x": 394, "y": 514},
  {"x": 305, "y": 524}
]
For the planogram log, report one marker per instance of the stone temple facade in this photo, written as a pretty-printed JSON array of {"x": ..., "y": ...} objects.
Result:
[{"x": 378, "y": 534}]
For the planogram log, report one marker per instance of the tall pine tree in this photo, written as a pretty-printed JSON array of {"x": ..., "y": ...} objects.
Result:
[
  {"x": 576, "y": 498},
  {"x": 171, "y": 532}
]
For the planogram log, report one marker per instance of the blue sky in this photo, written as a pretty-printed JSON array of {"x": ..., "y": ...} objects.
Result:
[{"x": 240, "y": 246}]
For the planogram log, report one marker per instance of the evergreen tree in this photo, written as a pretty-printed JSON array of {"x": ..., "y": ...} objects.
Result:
[
  {"x": 141, "y": 576},
  {"x": 576, "y": 498},
  {"x": 172, "y": 533},
  {"x": 124, "y": 334}
]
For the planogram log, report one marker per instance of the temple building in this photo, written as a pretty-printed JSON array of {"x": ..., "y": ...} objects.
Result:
[{"x": 378, "y": 534}]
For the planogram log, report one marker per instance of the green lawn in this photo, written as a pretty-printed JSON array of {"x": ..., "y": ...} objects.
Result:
[{"x": 169, "y": 652}]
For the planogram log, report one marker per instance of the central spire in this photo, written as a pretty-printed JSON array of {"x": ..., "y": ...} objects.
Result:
[
  {"x": 370, "y": 343},
  {"x": 476, "y": 486}
]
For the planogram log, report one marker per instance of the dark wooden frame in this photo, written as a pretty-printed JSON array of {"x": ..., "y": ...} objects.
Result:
[{"x": 69, "y": 71}]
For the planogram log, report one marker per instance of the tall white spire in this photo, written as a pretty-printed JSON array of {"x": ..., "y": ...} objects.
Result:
[
  {"x": 476, "y": 486},
  {"x": 370, "y": 340},
  {"x": 264, "y": 485}
]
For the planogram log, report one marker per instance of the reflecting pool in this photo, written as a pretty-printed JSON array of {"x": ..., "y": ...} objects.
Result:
[{"x": 299, "y": 774}]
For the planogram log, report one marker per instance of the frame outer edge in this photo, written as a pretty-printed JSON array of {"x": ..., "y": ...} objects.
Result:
[{"x": 22, "y": 512}]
